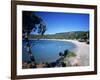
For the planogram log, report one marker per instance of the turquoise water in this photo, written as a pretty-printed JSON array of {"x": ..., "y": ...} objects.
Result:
[{"x": 46, "y": 50}]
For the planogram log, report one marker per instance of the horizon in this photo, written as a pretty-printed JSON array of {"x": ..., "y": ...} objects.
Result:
[
  {"x": 58, "y": 22},
  {"x": 61, "y": 32}
]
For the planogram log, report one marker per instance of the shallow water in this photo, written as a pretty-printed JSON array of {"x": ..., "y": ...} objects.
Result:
[{"x": 46, "y": 50}]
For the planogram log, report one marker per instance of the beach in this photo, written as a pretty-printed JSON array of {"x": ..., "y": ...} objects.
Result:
[
  {"x": 82, "y": 53},
  {"x": 81, "y": 58},
  {"x": 81, "y": 50}
]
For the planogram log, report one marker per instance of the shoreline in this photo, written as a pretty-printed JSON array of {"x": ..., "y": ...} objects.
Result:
[
  {"x": 81, "y": 50},
  {"x": 82, "y": 53}
]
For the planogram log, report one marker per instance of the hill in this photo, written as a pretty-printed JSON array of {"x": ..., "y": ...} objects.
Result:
[{"x": 63, "y": 35}]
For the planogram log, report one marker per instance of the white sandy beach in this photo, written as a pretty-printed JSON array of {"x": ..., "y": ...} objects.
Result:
[{"x": 81, "y": 50}]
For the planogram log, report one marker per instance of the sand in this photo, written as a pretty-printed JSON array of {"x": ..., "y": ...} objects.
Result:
[
  {"x": 81, "y": 50},
  {"x": 82, "y": 53}
]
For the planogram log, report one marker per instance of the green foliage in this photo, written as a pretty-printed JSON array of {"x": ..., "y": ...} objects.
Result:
[
  {"x": 65, "y": 35},
  {"x": 71, "y": 54},
  {"x": 32, "y": 23},
  {"x": 68, "y": 54}
]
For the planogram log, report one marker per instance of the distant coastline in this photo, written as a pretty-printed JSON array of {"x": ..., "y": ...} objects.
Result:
[{"x": 64, "y": 35}]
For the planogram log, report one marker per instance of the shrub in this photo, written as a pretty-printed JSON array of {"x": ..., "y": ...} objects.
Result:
[{"x": 71, "y": 54}]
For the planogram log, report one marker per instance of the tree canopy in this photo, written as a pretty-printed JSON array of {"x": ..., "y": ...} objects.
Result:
[{"x": 32, "y": 22}]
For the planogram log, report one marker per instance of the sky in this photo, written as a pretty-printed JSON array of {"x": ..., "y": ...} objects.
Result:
[{"x": 57, "y": 22}]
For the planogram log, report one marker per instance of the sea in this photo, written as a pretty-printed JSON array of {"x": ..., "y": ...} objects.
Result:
[{"x": 46, "y": 50}]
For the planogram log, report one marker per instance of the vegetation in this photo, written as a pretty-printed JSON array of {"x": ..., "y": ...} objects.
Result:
[
  {"x": 61, "y": 62},
  {"x": 64, "y": 35},
  {"x": 71, "y": 54},
  {"x": 31, "y": 23},
  {"x": 64, "y": 58}
]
